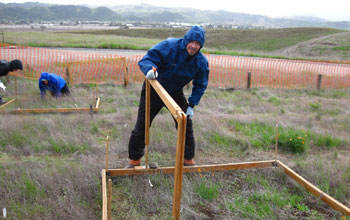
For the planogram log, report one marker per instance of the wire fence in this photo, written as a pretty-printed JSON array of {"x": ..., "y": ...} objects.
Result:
[{"x": 225, "y": 71}]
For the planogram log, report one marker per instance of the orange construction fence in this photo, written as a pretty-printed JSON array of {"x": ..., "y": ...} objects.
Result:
[
  {"x": 225, "y": 71},
  {"x": 98, "y": 71}
]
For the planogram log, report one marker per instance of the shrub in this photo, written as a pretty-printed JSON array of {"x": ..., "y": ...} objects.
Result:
[{"x": 293, "y": 141}]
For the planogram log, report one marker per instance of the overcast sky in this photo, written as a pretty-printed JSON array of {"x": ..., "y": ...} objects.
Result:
[{"x": 327, "y": 9}]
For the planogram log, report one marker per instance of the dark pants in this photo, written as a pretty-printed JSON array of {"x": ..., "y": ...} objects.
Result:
[
  {"x": 64, "y": 91},
  {"x": 137, "y": 139}
]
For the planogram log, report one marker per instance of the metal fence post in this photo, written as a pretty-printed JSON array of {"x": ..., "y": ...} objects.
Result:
[{"x": 319, "y": 81}]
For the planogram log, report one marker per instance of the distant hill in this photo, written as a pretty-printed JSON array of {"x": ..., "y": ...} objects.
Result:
[
  {"x": 34, "y": 12},
  {"x": 150, "y": 14}
]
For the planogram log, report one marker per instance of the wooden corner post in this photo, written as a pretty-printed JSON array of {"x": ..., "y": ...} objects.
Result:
[
  {"x": 181, "y": 120},
  {"x": 104, "y": 194},
  {"x": 147, "y": 120},
  {"x": 178, "y": 175}
]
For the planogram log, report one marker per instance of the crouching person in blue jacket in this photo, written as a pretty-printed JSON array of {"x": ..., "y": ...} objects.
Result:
[
  {"x": 174, "y": 63},
  {"x": 53, "y": 83}
]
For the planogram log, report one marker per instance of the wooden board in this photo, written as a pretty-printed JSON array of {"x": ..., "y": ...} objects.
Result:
[
  {"x": 7, "y": 103},
  {"x": 315, "y": 191},
  {"x": 104, "y": 195},
  {"x": 54, "y": 110},
  {"x": 193, "y": 169}
]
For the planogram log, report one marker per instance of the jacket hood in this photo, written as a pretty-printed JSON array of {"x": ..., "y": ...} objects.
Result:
[
  {"x": 44, "y": 76},
  {"x": 196, "y": 33}
]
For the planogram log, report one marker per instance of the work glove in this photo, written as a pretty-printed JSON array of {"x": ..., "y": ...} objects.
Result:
[
  {"x": 152, "y": 74},
  {"x": 189, "y": 112},
  {"x": 2, "y": 86}
]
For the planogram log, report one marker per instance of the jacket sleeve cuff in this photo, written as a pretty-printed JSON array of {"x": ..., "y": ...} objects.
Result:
[{"x": 191, "y": 105}]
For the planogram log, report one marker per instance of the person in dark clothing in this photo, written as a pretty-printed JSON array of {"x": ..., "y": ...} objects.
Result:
[
  {"x": 174, "y": 63},
  {"x": 5, "y": 68},
  {"x": 53, "y": 83}
]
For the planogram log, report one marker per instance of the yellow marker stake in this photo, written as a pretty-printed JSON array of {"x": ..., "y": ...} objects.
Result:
[
  {"x": 107, "y": 146},
  {"x": 276, "y": 141}
]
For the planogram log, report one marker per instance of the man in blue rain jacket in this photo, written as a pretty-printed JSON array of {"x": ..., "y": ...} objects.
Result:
[
  {"x": 53, "y": 83},
  {"x": 174, "y": 63}
]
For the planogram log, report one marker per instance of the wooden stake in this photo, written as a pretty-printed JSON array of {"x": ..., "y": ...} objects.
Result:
[
  {"x": 319, "y": 81},
  {"x": 178, "y": 174},
  {"x": 126, "y": 75},
  {"x": 276, "y": 141},
  {"x": 104, "y": 195},
  {"x": 68, "y": 78},
  {"x": 98, "y": 101},
  {"x": 147, "y": 119},
  {"x": 94, "y": 93},
  {"x": 249, "y": 78},
  {"x": 96, "y": 90},
  {"x": 107, "y": 146},
  {"x": 16, "y": 86},
  {"x": 109, "y": 204}
]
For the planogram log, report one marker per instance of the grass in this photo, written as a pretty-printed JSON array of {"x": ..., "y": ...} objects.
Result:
[
  {"x": 54, "y": 160},
  {"x": 52, "y": 39},
  {"x": 41, "y": 187},
  {"x": 262, "y": 136},
  {"x": 269, "y": 203},
  {"x": 206, "y": 190},
  {"x": 252, "y": 40},
  {"x": 263, "y": 43},
  {"x": 328, "y": 142},
  {"x": 30, "y": 190},
  {"x": 60, "y": 160}
]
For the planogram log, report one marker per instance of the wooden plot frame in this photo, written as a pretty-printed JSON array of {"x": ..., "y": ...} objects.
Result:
[
  {"x": 91, "y": 109},
  {"x": 123, "y": 59},
  {"x": 7, "y": 103},
  {"x": 336, "y": 205},
  {"x": 179, "y": 169}
]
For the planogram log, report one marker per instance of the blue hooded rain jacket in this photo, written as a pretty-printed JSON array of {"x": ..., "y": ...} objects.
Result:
[
  {"x": 174, "y": 72},
  {"x": 55, "y": 85}
]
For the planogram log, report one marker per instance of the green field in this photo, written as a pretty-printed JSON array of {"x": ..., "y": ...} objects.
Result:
[
  {"x": 50, "y": 164},
  {"x": 316, "y": 43}
]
